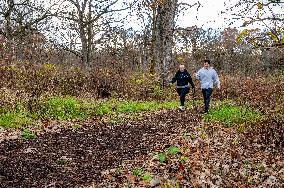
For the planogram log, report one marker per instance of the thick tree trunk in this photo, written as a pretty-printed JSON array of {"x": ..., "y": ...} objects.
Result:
[{"x": 164, "y": 24}]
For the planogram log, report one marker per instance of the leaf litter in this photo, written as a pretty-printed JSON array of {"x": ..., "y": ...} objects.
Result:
[{"x": 124, "y": 154}]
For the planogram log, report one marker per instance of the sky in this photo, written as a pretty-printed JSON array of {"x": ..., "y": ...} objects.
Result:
[{"x": 209, "y": 15}]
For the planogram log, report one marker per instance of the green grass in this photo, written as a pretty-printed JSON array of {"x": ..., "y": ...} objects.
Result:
[
  {"x": 15, "y": 120},
  {"x": 68, "y": 108},
  {"x": 162, "y": 157},
  {"x": 231, "y": 115},
  {"x": 173, "y": 150},
  {"x": 63, "y": 109},
  {"x": 28, "y": 135},
  {"x": 76, "y": 126},
  {"x": 137, "y": 172},
  {"x": 147, "y": 177}
]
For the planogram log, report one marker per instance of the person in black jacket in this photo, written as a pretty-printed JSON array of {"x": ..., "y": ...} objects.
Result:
[{"x": 183, "y": 79}]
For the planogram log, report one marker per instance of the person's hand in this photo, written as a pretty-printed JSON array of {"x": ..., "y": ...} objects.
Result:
[{"x": 219, "y": 87}]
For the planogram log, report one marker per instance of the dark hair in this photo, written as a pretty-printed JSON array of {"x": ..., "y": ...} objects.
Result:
[{"x": 207, "y": 61}]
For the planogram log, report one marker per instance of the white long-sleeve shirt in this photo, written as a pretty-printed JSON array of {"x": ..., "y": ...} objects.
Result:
[{"x": 208, "y": 78}]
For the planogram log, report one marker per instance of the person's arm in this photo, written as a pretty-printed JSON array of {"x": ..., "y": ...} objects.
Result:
[
  {"x": 190, "y": 81},
  {"x": 197, "y": 75},
  {"x": 174, "y": 79},
  {"x": 216, "y": 79}
]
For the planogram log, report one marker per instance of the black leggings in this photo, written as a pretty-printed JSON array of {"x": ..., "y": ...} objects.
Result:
[{"x": 182, "y": 94}]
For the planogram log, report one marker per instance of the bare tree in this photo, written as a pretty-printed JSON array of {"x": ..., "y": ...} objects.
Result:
[
  {"x": 89, "y": 21},
  {"x": 262, "y": 14},
  {"x": 21, "y": 18}
]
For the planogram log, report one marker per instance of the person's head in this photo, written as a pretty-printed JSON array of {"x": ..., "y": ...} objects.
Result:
[
  {"x": 206, "y": 63},
  {"x": 181, "y": 67}
]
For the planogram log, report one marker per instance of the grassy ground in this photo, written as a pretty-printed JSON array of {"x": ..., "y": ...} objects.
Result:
[{"x": 69, "y": 108}]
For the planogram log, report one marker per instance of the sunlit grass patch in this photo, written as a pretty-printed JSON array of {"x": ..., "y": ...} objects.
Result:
[
  {"x": 232, "y": 115},
  {"x": 62, "y": 108},
  {"x": 15, "y": 120},
  {"x": 70, "y": 108}
]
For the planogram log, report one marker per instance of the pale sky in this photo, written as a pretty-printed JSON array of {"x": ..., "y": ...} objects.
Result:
[{"x": 209, "y": 15}]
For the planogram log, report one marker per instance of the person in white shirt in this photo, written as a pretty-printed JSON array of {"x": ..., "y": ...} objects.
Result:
[{"x": 208, "y": 77}]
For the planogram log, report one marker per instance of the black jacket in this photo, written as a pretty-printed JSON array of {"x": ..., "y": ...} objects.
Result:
[{"x": 182, "y": 79}]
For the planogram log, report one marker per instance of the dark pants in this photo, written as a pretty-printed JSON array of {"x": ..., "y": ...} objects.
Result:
[
  {"x": 182, "y": 93},
  {"x": 206, "y": 96}
]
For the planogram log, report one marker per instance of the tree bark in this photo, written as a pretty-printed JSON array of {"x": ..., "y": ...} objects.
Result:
[{"x": 162, "y": 37}]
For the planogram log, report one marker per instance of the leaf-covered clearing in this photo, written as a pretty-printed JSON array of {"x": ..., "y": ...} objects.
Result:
[{"x": 164, "y": 149}]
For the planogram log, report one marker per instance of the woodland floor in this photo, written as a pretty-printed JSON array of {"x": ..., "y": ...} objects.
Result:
[{"x": 87, "y": 156}]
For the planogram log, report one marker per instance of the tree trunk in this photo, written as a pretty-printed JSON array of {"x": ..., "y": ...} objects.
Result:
[
  {"x": 163, "y": 36},
  {"x": 8, "y": 32},
  {"x": 153, "y": 58}
]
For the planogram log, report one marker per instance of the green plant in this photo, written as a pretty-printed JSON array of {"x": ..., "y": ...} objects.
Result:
[
  {"x": 203, "y": 135},
  {"x": 183, "y": 159},
  {"x": 185, "y": 135},
  {"x": 246, "y": 164},
  {"x": 162, "y": 157},
  {"x": 68, "y": 108},
  {"x": 147, "y": 177},
  {"x": 137, "y": 172},
  {"x": 28, "y": 135},
  {"x": 62, "y": 161},
  {"x": 103, "y": 109},
  {"x": 250, "y": 180},
  {"x": 193, "y": 136},
  {"x": 3, "y": 110},
  {"x": 261, "y": 168},
  {"x": 118, "y": 171},
  {"x": 173, "y": 150}
]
